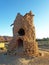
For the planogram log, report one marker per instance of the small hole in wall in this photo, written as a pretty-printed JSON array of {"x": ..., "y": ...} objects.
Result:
[{"x": 21, "y": 32}]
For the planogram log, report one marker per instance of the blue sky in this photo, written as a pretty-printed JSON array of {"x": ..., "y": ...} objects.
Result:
[{"x": 10, "y": 8}]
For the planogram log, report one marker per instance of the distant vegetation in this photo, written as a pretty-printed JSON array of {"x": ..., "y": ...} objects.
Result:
[{"x": 44, "y": 39}]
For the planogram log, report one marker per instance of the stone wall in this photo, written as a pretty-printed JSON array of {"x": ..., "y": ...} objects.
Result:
[{"x": 23, "y": 29}]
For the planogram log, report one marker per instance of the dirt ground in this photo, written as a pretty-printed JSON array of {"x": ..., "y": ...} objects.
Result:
[{"x": 18, "y": 60}]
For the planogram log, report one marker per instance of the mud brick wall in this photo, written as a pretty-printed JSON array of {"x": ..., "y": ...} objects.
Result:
[{"x": 24, "y": 33}]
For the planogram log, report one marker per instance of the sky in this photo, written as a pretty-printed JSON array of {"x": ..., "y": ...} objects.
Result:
[{"x": 10, "y": 8}]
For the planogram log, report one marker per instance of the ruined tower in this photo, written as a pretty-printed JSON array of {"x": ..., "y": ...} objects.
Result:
[{"x": 24, "y": 34}]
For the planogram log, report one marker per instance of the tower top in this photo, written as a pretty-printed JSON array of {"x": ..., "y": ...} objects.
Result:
[{"x": 31, "y": 13}]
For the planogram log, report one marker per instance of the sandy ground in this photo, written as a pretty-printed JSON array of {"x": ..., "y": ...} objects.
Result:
[{"x": 17, "y": 60}]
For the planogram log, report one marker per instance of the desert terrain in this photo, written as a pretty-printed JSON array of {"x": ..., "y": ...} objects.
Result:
[{"x": 23, "y": 60}]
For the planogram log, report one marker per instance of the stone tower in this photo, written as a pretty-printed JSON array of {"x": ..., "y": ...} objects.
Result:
[{"x": 24, "y": 34}]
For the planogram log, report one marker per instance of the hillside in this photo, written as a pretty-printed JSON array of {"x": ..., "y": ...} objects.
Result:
[{"x": 5, "y": 38}]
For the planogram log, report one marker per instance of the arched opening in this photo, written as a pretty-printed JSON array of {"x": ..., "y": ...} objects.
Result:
[
  {"x": 20, "y": 43},
  {"x": 21, "y": 32}
]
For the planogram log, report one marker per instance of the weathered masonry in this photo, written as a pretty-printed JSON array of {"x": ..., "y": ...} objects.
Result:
[{"x": 24, "y": 34}]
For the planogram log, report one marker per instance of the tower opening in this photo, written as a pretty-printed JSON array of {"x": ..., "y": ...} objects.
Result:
[
  {"x": 20, "y": 43},
  {"x": 21, "y": 32}
]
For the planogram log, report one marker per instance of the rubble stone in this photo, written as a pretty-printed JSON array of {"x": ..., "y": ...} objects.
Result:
[{"x": 24, "y": 34}]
